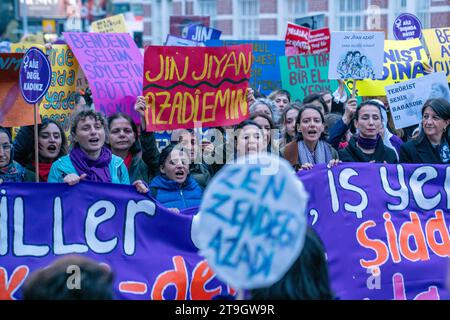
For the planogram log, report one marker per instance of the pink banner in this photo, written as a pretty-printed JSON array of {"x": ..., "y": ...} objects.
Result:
[
  {"x": 113, "y": 66},
  {"x": 319, "y": 41}
]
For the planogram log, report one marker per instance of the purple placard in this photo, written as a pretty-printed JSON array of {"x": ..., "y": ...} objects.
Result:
[
  {"x": 384, "y": 227},
  {"x": 35, "y": 75},
  {"x": 407, "y": 26},
  {"x": 114, "y": 68},
  {"x": 148, "y": 248}
]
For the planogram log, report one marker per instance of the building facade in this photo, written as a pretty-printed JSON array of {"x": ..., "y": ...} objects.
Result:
[{"x": 266, "y": 19}]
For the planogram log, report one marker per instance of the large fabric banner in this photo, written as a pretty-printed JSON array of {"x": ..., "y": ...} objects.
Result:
[
  {"x": 438, "y": 43},
  {"x": 148, "y": 247},
  {"x": 113, "y": 66},
  {"x": 403, "y": 60},
  {"x": 384, "y": 227},
  {"x": 186, "y": 86},
  {"x": 265, "y": 73}
]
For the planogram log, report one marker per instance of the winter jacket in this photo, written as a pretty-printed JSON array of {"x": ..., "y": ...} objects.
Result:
[
  {"x": 173, "y": 195},
  {"x": 420, "y": 150},
  {"x": 63, "y": 166},
  {"x": 352, "y": 153}
]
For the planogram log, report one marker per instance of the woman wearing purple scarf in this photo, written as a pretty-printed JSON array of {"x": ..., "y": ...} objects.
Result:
[{"x": 90, "y": 159}]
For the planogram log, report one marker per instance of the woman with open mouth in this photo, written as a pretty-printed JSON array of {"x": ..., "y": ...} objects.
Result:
[
  {"x": 367, "y": 145},
  {"x": 52, "y": 145},
  {"x": 11, "y": 171},
  {"x": 174, "y": 188},
  {"x": 90, "y": 159},
  {"x": 433, "y": 143},
  {"x": 310, "y": 147}
]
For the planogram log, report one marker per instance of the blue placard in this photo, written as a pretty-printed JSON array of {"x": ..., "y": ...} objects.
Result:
[
  {"x": 265, "y": 74},
  {"x": 407, "y": 26},
  {"x": 202, "y": 33},
  {"x": 35, "y": 75}
]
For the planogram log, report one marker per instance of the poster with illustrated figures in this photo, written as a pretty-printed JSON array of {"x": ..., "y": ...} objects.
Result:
[
  {"x": 356, "y": 55},
  {"x": 406, "y": 99}
]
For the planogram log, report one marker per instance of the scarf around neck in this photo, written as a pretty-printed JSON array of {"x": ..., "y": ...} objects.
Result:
[
  {"x": 368, "y": 144},
  {"x": 322, "y": 153},
  {"x": 96, "y": 170}
]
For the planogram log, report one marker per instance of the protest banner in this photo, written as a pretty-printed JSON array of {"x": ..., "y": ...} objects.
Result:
[
  {"x": 148, "y": 248},
  {"x": 303, "y": 75},
  {"x": 59, "y": 101},
  {"x": 356, "y": 55},
  {"x": 14, "y": 111},
  {"x": 296, "y": 39},
  {"x": 113, "y": 24},
  {"x": 202, "y": 33},
  {"x": 319, "y": 41},
  {"x": 438, "y": 43},
  {"x": 113, "y": 66},
  {"x": 251, "y": 224},
  {"x": 172, "y": 40},
  {"x": 179, "y": 25},
  {"x": 403, "y": 60},
  {"x": 265, "y": 74},
  {"x": 384, "y": 227},
  {"x": 185, "y": 86},
  {"x": 406, "y": 99},
  {"x": 407, "y": 26}
]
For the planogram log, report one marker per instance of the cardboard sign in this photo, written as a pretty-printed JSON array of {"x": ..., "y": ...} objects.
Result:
[
  {"x": 297, "y": 39},
  {"x": 186, "y": 85},
  {"x": 312, "y": 22},
  {"x": 179, "y": 25},
  {"x": 407, "y": 26},
  {"x": 113, "y": 66},
  {"x": 201, "y": 33},
  {"x": 406, "y": 99},
  {"x": 265, "y": 74},
  {"x": 14, "y": 110},
  {"x": 303, "y": 75},
  {"x": 172, "y": 40},
  {"x": 251, "y": 225},
  {"x": 403, "y": 60},
  {"x": 438, "y": 43},
  {"x": 384, "y": 228},
  {"x": 356, "y": 55},
  {"x": 114, "y": 24},
  {"x": 319, "y": 41}
]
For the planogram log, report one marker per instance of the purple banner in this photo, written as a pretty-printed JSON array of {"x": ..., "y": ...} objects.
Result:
[
  {"x": 148, "y": 248},
  {"x": 114, "y": 68},
  {"x": 385, "y": 228}
]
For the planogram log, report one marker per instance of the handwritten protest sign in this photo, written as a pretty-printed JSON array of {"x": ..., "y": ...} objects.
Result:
[
  {"x": 14, "y": 111},
  {"x": 177, "y": 41},
  {"x": 104, "y": 225},
  {"x": 356, "y": 55},
  {"x": 113, "y": 66},
  {"x": 265, "y": 74},
  {"x": 438, "y": 43},
  {"x": 202, "y": 33},
  {"x": 407, "y": 98},
  {"x": 252, "y": 222},
  {"x": 403, "y": 60},
  {"x": 297, "y": 39},
  {"x": 384, "y": 227},
  {"x": 319, "y": 41},
  {"x": 303, "y": 75},
  {"x": 188, "y": 85},
  {"x": 59, "y": 101},
  {"x": 114, "y": 24}
]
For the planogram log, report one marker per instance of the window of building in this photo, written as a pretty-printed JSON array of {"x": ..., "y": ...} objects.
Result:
[
  {"x": 296, "y": 9},
  {"x": 248, "y": 19},
  {"x": 350, "y": 15},
  {"x": 423, "y": 12},
  {"x": 208, "y": 8}
]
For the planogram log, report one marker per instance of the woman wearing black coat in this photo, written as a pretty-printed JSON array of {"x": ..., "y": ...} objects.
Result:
[{"x": 432, "y": 145}]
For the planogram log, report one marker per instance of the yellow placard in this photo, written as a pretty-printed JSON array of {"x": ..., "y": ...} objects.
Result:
[
  {"x": 114, "y": 24},
  {"x": 438, "y": 43},
  {"x": 32, "y": 38},
  {"x": 403, "y": 60},
  {"x": 49, "y": 26},
  {"x": 59, "y": 101}
]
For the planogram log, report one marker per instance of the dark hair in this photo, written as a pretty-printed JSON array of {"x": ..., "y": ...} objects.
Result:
[
  {"x": 280, "y": 92},
  {"x": 44, "y": 124},
  {"x": 271, "y": 124},
  {"x": 167, "y": 150},
  {"x": 316, "y": 96},
  {"x": 258, "y": 94},
  {"x": 367, "y": 103},
  {"x": 293, "y": 106},
  {"x": 11, "y": 152},
  {"x": 51, "y": 283},
  {"x": 307, "y": 279},
  {"x": 441, "y": 107},
  {"x": 135, "y": 148},
  {"x": 82, "y": 115},
  {"x": 323, "y": 136},
  {"x": 330, "y": 120}
]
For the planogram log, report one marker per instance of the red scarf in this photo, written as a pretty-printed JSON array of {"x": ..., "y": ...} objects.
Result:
[
  {"x": 44, "y": 170},
  {"x": 128, "y": 160}
]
